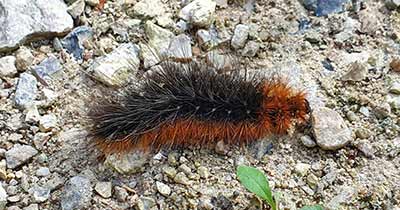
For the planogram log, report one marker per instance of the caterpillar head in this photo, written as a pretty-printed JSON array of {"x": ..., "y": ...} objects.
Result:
[{"x": 282, "y": 106}]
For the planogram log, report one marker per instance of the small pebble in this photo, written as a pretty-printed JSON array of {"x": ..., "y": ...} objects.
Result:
[
  {"x": 330, "y": 130},
  {"x": 24, "y": 59},
  {"x": 181, "y": 178},
  {"x": 19, "y": 154},
  {"x": 302, "y": 169},
  {"x": 395, "y": 88},
  {"x": 169, "y": 171},
  {"x": 7, "y": 66},
  {"x": 240, "y": 36},
  {"x": 104, "y": 189},
  {"x": 47, "y": 122},
  {"x": 162, "y": 188},
  {"x": 203, "y": 172},
  {"x": 308, "y": 141},
  {"x": 43, "y": 171},
  {"x": 41, "y": 194}
]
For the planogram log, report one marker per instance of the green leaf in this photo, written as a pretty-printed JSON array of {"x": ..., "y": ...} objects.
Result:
[
  {"x": 256, "y": 182},
  {"x": 315, "y": 207}
]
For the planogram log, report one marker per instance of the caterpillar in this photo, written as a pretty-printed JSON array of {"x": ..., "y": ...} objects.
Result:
[{"x": 191, "y": 104}]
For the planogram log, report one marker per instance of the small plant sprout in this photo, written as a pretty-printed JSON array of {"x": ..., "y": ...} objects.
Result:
[{"x": 256, "y": 182}]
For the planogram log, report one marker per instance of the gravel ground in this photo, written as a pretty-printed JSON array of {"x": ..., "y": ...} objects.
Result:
[{"x": 344, "y": 54}]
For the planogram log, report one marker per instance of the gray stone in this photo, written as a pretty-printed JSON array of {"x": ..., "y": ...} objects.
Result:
[
  {"x": 26, "y": 90},
  {"x": 165, "y": 21},
  {"x": 169, "y": 171},
  {"x": 350, "y": 26},
  {"x": 13, "y": 208},
  {"x": 74, "y": 41},
  {"x": 181, "y": 26},
  {"x": 251, "y": 49},
  {"x": 219, "y": 60},
  {"x": 370, "y": 23},
  {"x": 33, "y": 206},
  {"x": 181, "y": 178},
  {"x": 77, "y": 194},
  {"x": 19, "y": 154},
  {"x": 364, "y": 110},
  {"x": 40, "y": 194},
  {"x": 395, "y": 88},
  {"x": 204, "y": 37},
  {"x": 57, "y": 45},
  {"x": 24, "y": 59},
  {"x": 357, "y": 72},
  {"x": 121, "y": 193},
  {"x": 35, "y": 20},
  {"x": 324, "y": 7},
  {"x": 40, "y": 139},
  {"x": 47, "y": 122},
  {"x": 46, "y": 69},
  {"x": 55, "y": 182},
  {"x": 345, "y": 196},
  {"x": 222, "y": 3},
  {"x": 3, "y": 197},
  {"x": 76, "y": 8},
  {"x": 261, "y": 148},
  {"x": 159, "y": 38},
  {"x": 240, "y": 36},
  {"x": 199, "y": 12},
  {"x": 366, "y": 148},
  {"x": 392, "y": 4},
  {"x": 308, "y": 141},
  {"x": 149, "y": 55},
  {"x": 180, "y": 47},
  {"x": 7, "y": 66},
  {"x": 394, "y": 101},
  {"x": 116, "y": 68},
  {"x": 104, "y": 189},
  {"x": 203, "y": 172},
  {"x": 302, "y": 169},
  {"x": 162, "y": 188},
  {"x": 14, "y": 198},
  {"x": 149, "y": 8},
  {"x": 145, "y": 203},
  {"x": 330, "y": 130},
  {"x": 32, "y": 113},
  {"x": 127, "y": 164},
  {"x": 43, "y": 171}
]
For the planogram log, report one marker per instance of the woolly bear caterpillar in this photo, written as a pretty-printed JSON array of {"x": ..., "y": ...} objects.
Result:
[{"x": 191, "y": 104}]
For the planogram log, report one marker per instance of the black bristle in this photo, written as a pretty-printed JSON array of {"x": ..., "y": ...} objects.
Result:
[{"x": 180, "y": 91}]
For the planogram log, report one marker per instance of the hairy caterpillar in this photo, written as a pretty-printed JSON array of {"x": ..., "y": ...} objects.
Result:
[{"x": 191, "y": 104}]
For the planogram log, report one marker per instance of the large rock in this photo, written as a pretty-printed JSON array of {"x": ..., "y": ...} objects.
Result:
[
  {"x": 116, "y": 68},
  {"x": 19, "y": 154},
  {"x": 159, "y": 38},
  {"x": 127, "y": 164},
  {"x": 74, "y": 41},
  {"x": 7, "y": 66},
  {"x": 25, "y": 20},
  {"x": 199, "y": 12},
  {"x": 325, "y": 7},
  {"x": 149, "y": 8},
  {"x": 240, "y": 36},
  {"x": 77, "y": 194},
  {"x": 26, "y": 90},
  {"x": 330, "y": 130},
  {"x": 46, "y": 69}
]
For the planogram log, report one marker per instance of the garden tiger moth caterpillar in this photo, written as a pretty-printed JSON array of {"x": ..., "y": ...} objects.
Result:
[{"x": 191, "y": 104}]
